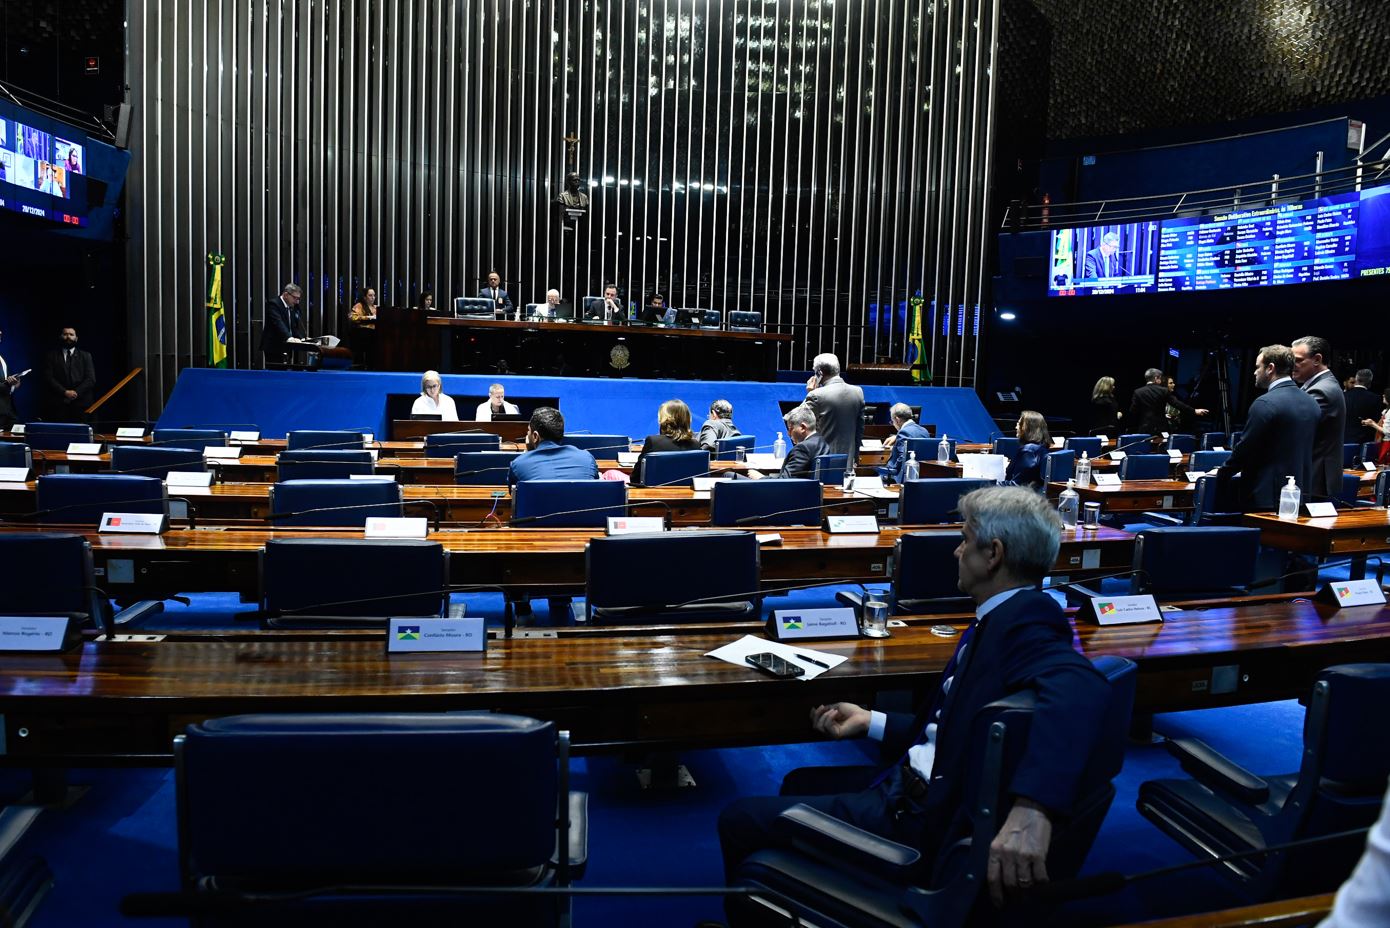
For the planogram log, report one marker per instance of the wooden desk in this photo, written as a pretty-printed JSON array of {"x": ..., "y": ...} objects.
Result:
[
  {"x": 416, "y": 429},
  {"x": 1287, "y": 913},
  {"x": 1352, "y": 532},
  {"x": 1134, "y": 495}
]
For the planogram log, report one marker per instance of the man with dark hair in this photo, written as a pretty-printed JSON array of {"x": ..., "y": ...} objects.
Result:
[
  {"x": 69, "y": 377},
  {"x": 613, "y": 310},
  {"x": 1019, "y": 640},
  {"x": 1311, "y": 359},
  {"x": 1278, "y": 439},
  {"x": 1362, "y": 403},
  {"x": 720, "y": 424},
  {"x": 546, "y": 458},
  {"x": 1148, "y": 404}
]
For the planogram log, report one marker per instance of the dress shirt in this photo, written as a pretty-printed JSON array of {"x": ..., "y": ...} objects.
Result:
[
  {"x": 484, "y": 411},
  {"x": 1364, "y": 899},
  {"x": 426, "y": 406}
]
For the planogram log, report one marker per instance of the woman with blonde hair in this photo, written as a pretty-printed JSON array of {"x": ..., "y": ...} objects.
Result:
[
  {"x": 1033, "y": 441},
  {"x": 673, "y": 421},
  {"x": 432, "y": 400},
  {"x": 1105, "y": 410}
]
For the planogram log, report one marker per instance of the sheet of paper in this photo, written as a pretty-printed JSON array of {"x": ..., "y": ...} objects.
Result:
[
  {"x": 764, "y": 461},
  {"x": 735, "y": 652}
]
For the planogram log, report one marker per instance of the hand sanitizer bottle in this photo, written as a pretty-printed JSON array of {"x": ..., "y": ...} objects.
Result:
[
  {"x": 779, "y": 447},
  {"x": 1067, "y": 505},
  {"x": 1289, "y": 498}
]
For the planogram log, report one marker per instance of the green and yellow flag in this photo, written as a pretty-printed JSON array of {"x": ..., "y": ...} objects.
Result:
[
  {"x": 217, "y": 320},
  {"x": 916, "y": 348}
]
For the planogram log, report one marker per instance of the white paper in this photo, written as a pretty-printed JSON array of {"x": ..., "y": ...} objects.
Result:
[
  {"x": 705, "y": 484},
  {"x": 735, "y": 652},
  {"x": 628, "y": 458},
  {"x": 879, "y": 492},
  {"x": 984, "y": 466},
  {"x": 870, "y": 444},
  {"x": 764, "y": 461},
  {"x": 868, "y": 483},
  {"x": 769, "y": 538}
]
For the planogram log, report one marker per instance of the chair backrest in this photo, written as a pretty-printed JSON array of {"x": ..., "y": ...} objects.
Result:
[
  {"x": 1382, "y": 489},
  {"x": 189, "y": 438},
  {"x": 674, "y": 468},
  {"x": 243, "y": 783},
  {"x": 15, "y": 454},
  {"x": 934, "y": 502},
  {"x": 323, "y": 465},
  {"x": 568, "y": 503},
  {"x": 1206, "y": 460},
  {"x": 628, "y": 578},
  {"x": 80, "y": 499},
  {"x": 1180, "y": 441},
  {"x": 483, "y": 468},
  {"x": 154, "y": 461},
  {"x": 1213, "y": 440},
  {"x": 1214, "y": 502},
  {"x": 1134, "y": 442},
  {"x": 1351, "y": 454},
  {"x": 830, "y": 469},
  {"x": 304, "y": 577},
  {"x": 726, "y": 449},
  {"x": 1351, "y": 489},
  {"x": 56, "y": 436},
  {"x": 63, "y": 562},
  {"x": 448, "y": 444},
  {"x": 1089, "y": 444},
  {"x": 1059, "y": 466},
  {"x": 1369, "y": 451},
  {"x": 928, "y": 448},
  {"x": 925, "y": 574},
  {"x": 1188, "y": 560},
  {"x": 1236, "y": 436},
  {"x": 1144, "y": 467},
  {"x": 321, "y": 502},
  {"x": 1006, "y": 445},
  {"x": 603, "y": 447},
  {"x": 790, "y": 501},
  {"x": 324, "y": 440},
  {"x": 742, "y": 320}
]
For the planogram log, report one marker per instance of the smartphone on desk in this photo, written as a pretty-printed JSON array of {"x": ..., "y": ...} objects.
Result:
[{"x": 774, "y": 666}]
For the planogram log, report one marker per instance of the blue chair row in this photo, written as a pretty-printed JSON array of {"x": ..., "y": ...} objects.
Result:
[
  {"x": 14, "y": 454},
  {"x": 726, "y": 449},
  {"x": 62, "y": 564},
  {"x": 56, "y": 436}
]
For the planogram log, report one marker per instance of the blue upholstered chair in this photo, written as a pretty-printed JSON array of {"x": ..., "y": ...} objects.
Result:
[
  {"x": 935, "y": 502},
  {"x": 62, "y": 565},
  {"x": 726, "y": 449},
  {"x": 928, "y": 448},
  {"x": 16, "y": 454},
  {"x": 1206, "y": 460},
  {"x": 568, "y": 503},
  {"x": 56, "y": 436},
  {"x": 740, "y": 503},
  {"x": 1382, "y": 488},
  {"x": 1180, "y": 441},
  {"x": 1236, "y": 436},
  {"x": 628, "y": 578},
  {"x": 323, "y": 465},
  {"x": 1191, "y": 562},
  {"x": 1059, "y": 466},
  {"x": 673, "y": 468},
  {"x": 1145, "y": 467},
  {"x": 1351, "y": 455},
  {"x": 483, "y": 468},
  {"x": 602, "y": 447},
  {"x": 155, "y": 461},
  {"x": 320, "y": 502},
  {"x": 830, "y": 469},
  {"x": 1369, "y": 450},
  {"x": 924, "y": 576},
  {"x": 324, "y": 440},
  {"x": 448, "y": 444},
  {"x": 336, "y": 582},
  {"x": 1090, "y": 444},
  {"x": 1351, "y": 491},
  {"x": 1214, "y": 503},
  {"x": 189, "y": 438},
  {"x": 81, "y": 499},
  {"x": 1006, "y": 445},
  {"x": 1134, "y": 442},
  {"x": 1213, "y": 440},
  {"x": 1340, "y": 784}
]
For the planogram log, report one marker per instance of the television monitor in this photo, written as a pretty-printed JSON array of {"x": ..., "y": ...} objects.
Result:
[{"x": 1115, "y": 258}]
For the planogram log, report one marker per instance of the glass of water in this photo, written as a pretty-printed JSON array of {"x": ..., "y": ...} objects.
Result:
[
  {"x": 1091, "y": 517},
  {"x": 875, "y": 619}
]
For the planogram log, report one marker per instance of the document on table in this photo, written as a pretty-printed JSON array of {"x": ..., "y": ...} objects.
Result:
[{"x": 735, "y": 652}]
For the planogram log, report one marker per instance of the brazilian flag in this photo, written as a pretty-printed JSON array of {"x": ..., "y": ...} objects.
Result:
[
  {"x": 916, "y": 347},
  {"x": 217, "y": 319}
]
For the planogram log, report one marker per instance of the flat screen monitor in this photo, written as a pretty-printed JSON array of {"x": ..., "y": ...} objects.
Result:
[{"x": 1120, "y": 258}]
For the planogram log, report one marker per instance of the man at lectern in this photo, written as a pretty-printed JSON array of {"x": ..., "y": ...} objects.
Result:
[{"x": 1104, "y": 260}]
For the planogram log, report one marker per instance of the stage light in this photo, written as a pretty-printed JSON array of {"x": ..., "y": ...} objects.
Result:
[{"x": 1008, "y": 316}]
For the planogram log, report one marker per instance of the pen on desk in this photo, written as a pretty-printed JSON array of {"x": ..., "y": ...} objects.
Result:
[{"x": 811, "y": 660}]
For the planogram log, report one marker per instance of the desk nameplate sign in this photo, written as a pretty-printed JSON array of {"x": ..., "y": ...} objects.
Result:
[
  {"x": 1116, "y": 455},
  {"x": 17, "y": 428},
  {"x": 188, "y": 478},
  {"x": 1341, "y": 593},
  {"x": 14, "y": 474},
  {"x": 241, "y": 435},
  {"x": 705, "y": 484},
  {"x": 219, "y": 453},
  {"x": 1106, "y": 480},
  {"x": 367, "y": 438},
  {"x": 1322, "y": 510},
  {"x": 1217, "y": 448},
  {"x": 1174, "y": 454},
  {"x": 628, "y": 458},
  {"x": 1119, "y": 610},
  {"x": 639, "y": 525},
  {"x": 133, "y": 523},
  {"x": 1369, "y": 467},
  {"x": 381, "y": 478},
  {"x": 395, "y": 527},
  {"x": 852, "y": 525},
  {"x": 130, "y": 433},
  {"x": 431, "y": 635},
  {"x": 813, "y": 624},
  {"x": 48, "y": 634},
  {"x": 84, "y": 447}
]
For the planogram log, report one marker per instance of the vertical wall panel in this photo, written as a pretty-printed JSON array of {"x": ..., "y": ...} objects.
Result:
[{"x": 823, "y": 162}]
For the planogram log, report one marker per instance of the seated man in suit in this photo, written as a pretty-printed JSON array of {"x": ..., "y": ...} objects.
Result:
[
  {"x": 720, "y": 424},
  {"x": 907, "y": 427},
  {"x": 1020, "y": 640},
  {"x": 806, "y": 444},
  {"x": 546, "y": 458}
]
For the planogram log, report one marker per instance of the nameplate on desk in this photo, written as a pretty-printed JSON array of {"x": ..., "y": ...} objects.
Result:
[
  {"x": 84, "y": 447},
  {"x": 1217, "y": 448},
  {"x": 1106, "y": 480},
  {"x": 133, "y": 523},
  {"x": 130, "y": 433},
  {"x": 628, "y": 458},
  {"x": 639, "y": 525},
  {"x": 1174, "y": 455},
  {"x": 870, "y": 444},
  {"x": 1369, "y": 467},
  {"x": 808, "y": 624},
  {"x": 1117, "y": 455},
  {"x": 1352, "y": 593},
  {"x": 188, "y": 478},
  {"x": 1192, "y": 475},
  {"x": 1119, "y": 610},
  {"x": 422, "y": 635},
  {"x": 39, "y": 633},
  {"x": 852, "y": 525},
  {"x": 367, "y": 438},
  {"x": 768, "y": 538},
  {"x": 396, "y": 527},
  {"x": 14, "y": 474},
  {"x": 17, "y": 428},
  {"x": 384, "y": 478},
  {"x": 705, "y": 484},
  {"x": 244, "y": 436},
  {"x": 1321, "y": 510},
  {"x": 219, "y": 453},
  {"x": 1056, "y": 442}
]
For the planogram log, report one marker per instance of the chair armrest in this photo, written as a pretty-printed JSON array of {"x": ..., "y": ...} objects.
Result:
[
  {"x": 1162, "y": 518},
  {"x": 579, "y": 833},
  {"x": 827, "y": 838},
  {"x": 138, "y": 613},
  {"x": 1217, "y": 771},
  {"x": 852, "y": 599}
]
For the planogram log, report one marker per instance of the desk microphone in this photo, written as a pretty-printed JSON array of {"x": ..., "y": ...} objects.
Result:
[
  {"x": 403, "y": 503},
  {"x": 103, "y": 503},
  {"x": 527, "y": 520}
]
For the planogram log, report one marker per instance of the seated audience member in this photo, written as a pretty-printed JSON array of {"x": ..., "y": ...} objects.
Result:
[
  {"x": 655, "y": 310},
  {"x": 720, "y": 424},
  {"x": 901, "y": 416},
  {"x": 432, "y": 399},
  {"x": 546, "y": 458},
  {"x": 496, "y": 405},
  {"x": 1033, "y": 443},
  {"x": 673, "y": 421},
  {"x": 1020, "y": 639},
  {"x": 806, "y": 444}
]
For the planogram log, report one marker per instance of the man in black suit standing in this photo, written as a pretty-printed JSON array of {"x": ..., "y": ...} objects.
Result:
[
  {"x": 1311, "y": 357},
  {"x": 1147, "y": 405},
  {"x": 282, "y": 322},
  {"x": 9, "y": 383},
  {"x": 494, "y": 294},
  {"x": 1362, "y": 403},
  {"x": 69, "y": 376},
  {"x": 1278, "y": 439},
  {"x": 1019, "y": 640}
]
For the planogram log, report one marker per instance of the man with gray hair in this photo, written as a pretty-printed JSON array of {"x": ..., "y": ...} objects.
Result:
[
  {"x": 838, "y": 406},
  {"x": 1148, "y": 404},
  {"x": 807, "y": 445},
  {"x": 720, "y": 424},
  {"x": 1020, "y": 639},
  {"x": 1312, "y": 357},
  {"x": 282, "y": 322},
  {"x": 907, "y": 427},
  {"x": 1103, "y": 260},
  {"x": 1362, "y": 403}
]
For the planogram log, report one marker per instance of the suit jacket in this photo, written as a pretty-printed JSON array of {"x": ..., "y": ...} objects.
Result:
[
  {"x": 1105, "y": 413},
  {"x": 897, "y": 458},
  {"x": 8, "y": 415},
  {"x": 1327, "y": 440},
  {"x": 549, "y": 461},
  {"x": 1097, "y": 265},
  {"x": 839, "y": 409},
  {"x": 1361, "y": 404},
  {"x": 1277, "y": 444},
  {"x": 715, "y": 429},
  {"x": 79, "y": 375},
  {"x": 488, "y": 293},
  {"x": 1024, "y": 643},
  {"x": 801, "y": 460},
  {"x": 659, "y": 443},
  {"x": 1146, "y": 408},
  {"x": 1025, "y": 468},
  {"x": 281, "y": 322}
]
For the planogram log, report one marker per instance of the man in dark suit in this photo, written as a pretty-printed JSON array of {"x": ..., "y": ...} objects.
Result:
[
  {"x": 907, "y": 427},
  {"x": 68, "y": 380},
  {"x": 1311, "y": 357},
  {"x": 1362, "y": 403},
  {"x": 720, "y": 424},
  {"x": 282, "y": 322},
  {"x": 9, "y": 383},
  {"x": 839, "y": 407},
  {"x": 807, "y": 445},
  {"x": 1147, "y": 405},
  {"x": 1103, "y": 260},
  {"x": 1020, "y": 640},
  {"x": 1278, "y": 439},
  {"x": 494, "y": 294}
]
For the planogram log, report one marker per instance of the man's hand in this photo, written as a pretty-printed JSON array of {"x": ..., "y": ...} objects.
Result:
[
  {"x": 70, "y": 394},
  {"x": 841, "y": 720},
  {"x": 1202, "y": 412},
  {"x": 812, "y": 383},
  {"x": 12, "y": 380},
  {"x": 890, "y": 441},
  {"x": 1018, "y": 854}
]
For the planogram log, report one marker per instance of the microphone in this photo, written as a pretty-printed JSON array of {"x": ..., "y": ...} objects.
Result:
[
  {"x": 527, "y": 520},
  {"x": 103, "y": 503},
  {"x": 274, "y": 516},
  {"x": 761, "y": 518}
]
